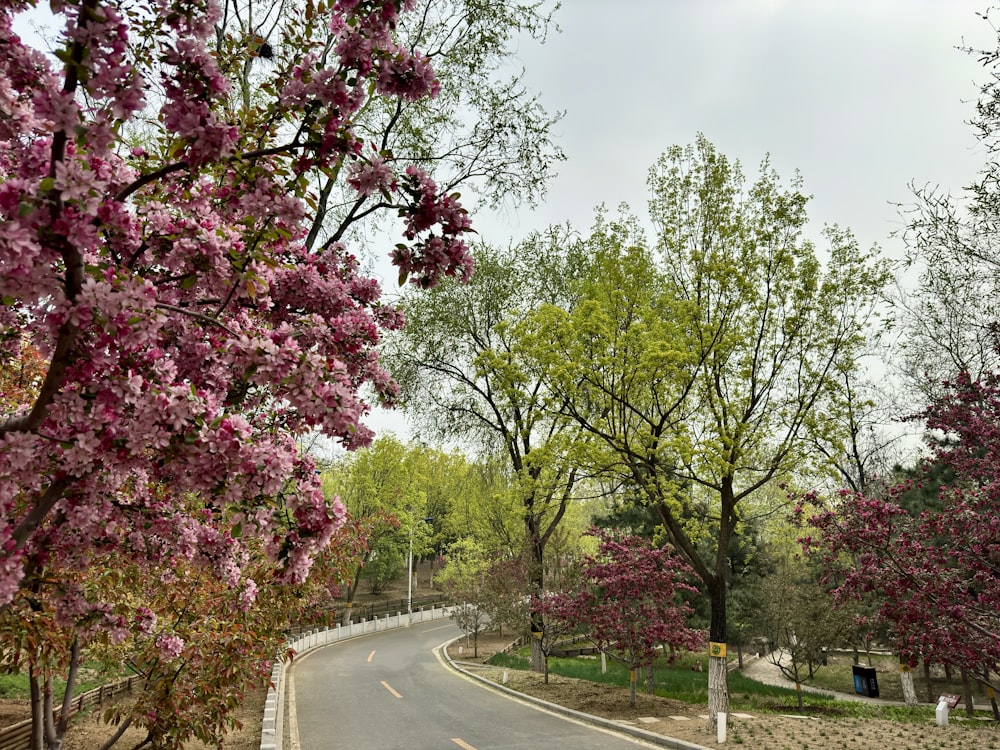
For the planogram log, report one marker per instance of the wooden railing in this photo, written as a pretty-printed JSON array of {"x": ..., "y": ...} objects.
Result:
[{"x": 18, "y": 736}]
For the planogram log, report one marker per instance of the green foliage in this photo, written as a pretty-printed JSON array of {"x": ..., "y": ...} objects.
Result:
[
  {"x": 383, "y": 568},
  {"x": 465, "y": 567},
  {"x": 487, "y": 508},
  {"x": 704, "y": 361},
  {"x": 466, "y": 375},
  {"x": 405, "y": 497},
  {"x": 16, "y": 687},
  {"x": 680, "y": 682}
]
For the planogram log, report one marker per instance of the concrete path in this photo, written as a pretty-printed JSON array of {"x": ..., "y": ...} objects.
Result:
[{"x": 763, "y": 669}]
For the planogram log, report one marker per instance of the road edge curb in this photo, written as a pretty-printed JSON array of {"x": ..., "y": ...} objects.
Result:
[{"x": 642, "y": 734}]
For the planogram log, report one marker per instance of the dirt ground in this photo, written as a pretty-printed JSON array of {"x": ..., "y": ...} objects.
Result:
[
  {"x": 88, "y": 732},
  {"x": 767, "y": 731}
]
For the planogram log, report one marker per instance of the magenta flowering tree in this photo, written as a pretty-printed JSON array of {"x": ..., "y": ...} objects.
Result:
[
  {"x": 932, "y": 576},
  {"x": 190, "y": 337},
  {"x": 629, "y": 602},
  {"x": 152, "y": 250}
]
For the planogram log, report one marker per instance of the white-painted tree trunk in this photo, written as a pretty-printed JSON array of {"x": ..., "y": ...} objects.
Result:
[
  {"x": 718, "y": 690},
  {"x": 909, "y": 691}
]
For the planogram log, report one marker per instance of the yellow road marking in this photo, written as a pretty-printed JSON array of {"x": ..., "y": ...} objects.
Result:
[
  {"x": 463, "y": 745},
  {"x": 371, "y": 656},
  {"x": 389, "y": 688}
]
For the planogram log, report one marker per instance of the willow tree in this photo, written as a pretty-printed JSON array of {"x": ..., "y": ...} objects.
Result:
[
  {"x": 486, "y": 133},
  {"x": 464, "y": 376},
  {"x": 706, "y": 360}
]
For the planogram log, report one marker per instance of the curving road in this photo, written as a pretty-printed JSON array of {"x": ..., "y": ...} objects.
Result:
[{"x": 390, "y": 691}]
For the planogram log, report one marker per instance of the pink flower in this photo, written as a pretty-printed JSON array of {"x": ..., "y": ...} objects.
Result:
[
  {"x": 407, "y": 75},
  {"x": 368, "y": 177},
  {"x": 171, "y": 646}
]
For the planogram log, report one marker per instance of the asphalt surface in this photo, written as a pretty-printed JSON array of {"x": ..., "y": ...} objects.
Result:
[{"x": 391, "y": 691}]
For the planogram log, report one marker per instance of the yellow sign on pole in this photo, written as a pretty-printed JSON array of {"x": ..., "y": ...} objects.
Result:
[{"x": 717, "y": 650}]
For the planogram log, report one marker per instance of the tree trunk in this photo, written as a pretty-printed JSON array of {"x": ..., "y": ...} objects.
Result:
[
  {"x": 857, "y": 656},
  {"x": 631, "y": 687},
  {"x": 718, "y": 690},
  {"x": 739, "y": 654},
  {"x": 909, "y": 691},
  {"x": 536, "y": 583},
  {"x": 53, "y": 738},
  {"x": 37, "y": 725},
  {"x": 970, "y": 707},
  {"x": 928, "y": 681},
  {"x": 538, "y": 660},
  {"x": 351, "y": 590},
  {"x": 718, "y": 675}
]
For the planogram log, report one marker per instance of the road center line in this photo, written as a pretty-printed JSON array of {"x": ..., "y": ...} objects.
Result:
[
  {"x": 463, "y": 745},
  {"x": 388, "y": 687},
  {"x": 371, "y": 655}
]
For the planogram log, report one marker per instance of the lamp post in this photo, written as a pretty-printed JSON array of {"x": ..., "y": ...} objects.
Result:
[
  {"x": 409, "y": 574},
  {"x": 409, "y": 580}
]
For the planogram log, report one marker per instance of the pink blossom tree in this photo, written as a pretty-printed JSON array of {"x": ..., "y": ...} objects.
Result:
[
  {"x": 932, "y": 575},
  {"x": 629, "y": 602},
  {"x": 190, "y": 337}
]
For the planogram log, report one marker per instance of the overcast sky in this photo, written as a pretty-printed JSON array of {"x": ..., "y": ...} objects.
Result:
[{"x": 863, "y": 97}]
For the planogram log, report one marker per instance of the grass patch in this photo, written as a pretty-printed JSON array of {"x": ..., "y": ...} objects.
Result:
[
  {"x": 16, "y": 687},
  {"x": 679, "y": 681},
  {"x": 511, "y": 661},
  {"x": 837, "y": 675}
]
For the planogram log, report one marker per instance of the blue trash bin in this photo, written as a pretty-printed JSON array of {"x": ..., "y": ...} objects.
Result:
[{"x": 865, "y": 681}]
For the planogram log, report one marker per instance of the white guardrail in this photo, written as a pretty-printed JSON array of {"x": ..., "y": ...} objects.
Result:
[{"x": 272, "y": 727}]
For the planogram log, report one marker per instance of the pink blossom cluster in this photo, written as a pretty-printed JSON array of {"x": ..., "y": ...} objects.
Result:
[
  {"x": 171, "y": 646},
  {"x": 192, "y": 339},
  {"x": 930, "y": 574},
  {"x": 433, "y": 256}
]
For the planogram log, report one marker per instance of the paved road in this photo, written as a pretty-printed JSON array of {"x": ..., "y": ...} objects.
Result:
[{"x": 390, "y": 691}]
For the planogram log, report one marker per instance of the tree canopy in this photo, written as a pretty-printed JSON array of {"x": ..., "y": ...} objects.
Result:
[
  {"x": 705, "y": 362},
  {"x": 182, "y": 299}
]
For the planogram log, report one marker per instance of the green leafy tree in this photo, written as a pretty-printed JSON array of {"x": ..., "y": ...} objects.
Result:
[
  {"x": 465, "y": 376},
  {"x": 376, "y": 488},
  {"x": 704, "y": 366},
  {"x": 464, "y": 579},
  {"x": 800, "y": 620},
  {"x": 383, "y": 567},
  {"x": 489, "y": 509}
]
